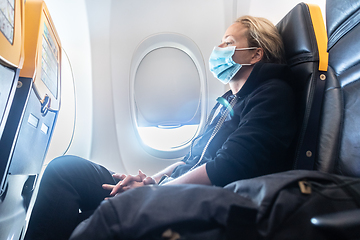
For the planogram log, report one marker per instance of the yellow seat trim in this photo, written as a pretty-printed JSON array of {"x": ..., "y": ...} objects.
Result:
[{"x": 320, "y": 34}]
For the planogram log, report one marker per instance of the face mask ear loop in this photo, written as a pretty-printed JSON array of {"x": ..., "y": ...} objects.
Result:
[
  {"x": 243, "y": 49},
  {"x": 249, "y": 48}
]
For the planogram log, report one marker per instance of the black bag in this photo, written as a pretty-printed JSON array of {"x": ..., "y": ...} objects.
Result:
[
  {"x": 277, "y": 206},
  {"x": 288, "y": 201}
]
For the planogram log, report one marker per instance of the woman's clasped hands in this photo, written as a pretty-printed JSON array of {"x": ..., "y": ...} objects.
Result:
[{"x": 128, "y": 182}]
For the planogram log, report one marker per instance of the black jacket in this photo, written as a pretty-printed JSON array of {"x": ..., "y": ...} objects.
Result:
[{"x": 256, "y": 139}]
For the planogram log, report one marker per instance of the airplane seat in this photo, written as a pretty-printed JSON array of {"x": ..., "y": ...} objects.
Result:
[
  {"x": 327, "y": 87},
  {"x": 339, "y": 133},
  {"x": 304, "y": 50},
  {"x": 11, "y": 62},
  {"x": 31, "y": 119},
  {"x": 339, "y": 127}
]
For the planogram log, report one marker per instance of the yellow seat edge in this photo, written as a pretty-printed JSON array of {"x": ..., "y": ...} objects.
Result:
[{"x": 320, "y": 34}]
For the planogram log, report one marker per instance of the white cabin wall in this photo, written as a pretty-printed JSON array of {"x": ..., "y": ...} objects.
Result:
[
  {"x": 71, "y": 22},
  {"x": 104, "y": 146}
]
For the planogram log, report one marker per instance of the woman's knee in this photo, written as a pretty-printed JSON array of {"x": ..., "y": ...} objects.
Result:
[
  {"x": 72, "y": 167},
  {"x": 67, "y": 160},
  {"x": 65, "y": 165}
]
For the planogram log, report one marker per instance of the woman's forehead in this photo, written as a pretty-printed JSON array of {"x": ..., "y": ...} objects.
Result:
[{"x": 236, "y": 30}]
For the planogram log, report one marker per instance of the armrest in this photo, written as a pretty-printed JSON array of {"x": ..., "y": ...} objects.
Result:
[{"x": 345, "y": 224}]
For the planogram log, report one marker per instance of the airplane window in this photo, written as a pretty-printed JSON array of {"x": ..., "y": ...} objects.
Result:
[{"x": 167, "y": 98}]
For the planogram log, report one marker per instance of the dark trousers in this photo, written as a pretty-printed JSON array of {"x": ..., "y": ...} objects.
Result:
[{"x": 69, "y": 183}]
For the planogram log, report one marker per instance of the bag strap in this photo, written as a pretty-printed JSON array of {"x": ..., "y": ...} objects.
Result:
[{"x": 348, "y": 186}]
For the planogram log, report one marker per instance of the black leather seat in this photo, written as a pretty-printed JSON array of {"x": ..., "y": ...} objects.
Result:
[
  {"x": 337, "y": 147},
  {"x": 329, "y": 133},
  {"x": 306, "y": 55},
  {"x": 339, "y": 143},
  {"x": 339, "y": 136}
]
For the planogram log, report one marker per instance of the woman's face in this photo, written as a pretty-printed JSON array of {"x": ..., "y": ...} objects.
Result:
[{"x": 235, "y": 35}]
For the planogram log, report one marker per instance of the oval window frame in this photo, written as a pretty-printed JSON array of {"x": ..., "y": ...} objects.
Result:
[{"x": 185, "y": 44}]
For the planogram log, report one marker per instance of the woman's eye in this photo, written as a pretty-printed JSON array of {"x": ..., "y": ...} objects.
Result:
[{"x": 228, "y": 43}]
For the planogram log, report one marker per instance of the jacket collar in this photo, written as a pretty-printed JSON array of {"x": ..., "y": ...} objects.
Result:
[{"x": 261, "y": 73}]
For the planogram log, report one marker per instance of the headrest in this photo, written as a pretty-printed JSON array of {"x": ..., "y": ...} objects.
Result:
[
  {"x": 304, "y": 36},
  {"x": 341, "y": 17}
]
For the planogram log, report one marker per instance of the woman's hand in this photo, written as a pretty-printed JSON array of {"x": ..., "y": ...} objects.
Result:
[{"x": 128, "y": 182}]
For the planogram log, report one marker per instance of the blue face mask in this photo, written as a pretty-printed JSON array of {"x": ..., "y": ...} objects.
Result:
[{"x": 222, "y": 65}]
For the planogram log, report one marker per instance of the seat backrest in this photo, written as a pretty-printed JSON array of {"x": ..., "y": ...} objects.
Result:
[
  {"x": 339, "y": 139},
  {"x": 306, "y": 55}
]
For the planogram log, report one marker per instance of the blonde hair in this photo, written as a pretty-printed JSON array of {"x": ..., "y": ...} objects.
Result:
[{"x": 262, "y": 33}]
